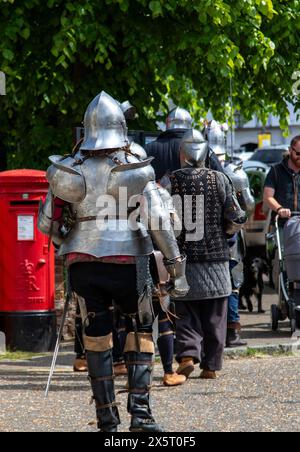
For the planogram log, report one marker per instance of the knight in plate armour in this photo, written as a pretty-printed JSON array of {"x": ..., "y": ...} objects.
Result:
[{"x": 108, "y": 194}]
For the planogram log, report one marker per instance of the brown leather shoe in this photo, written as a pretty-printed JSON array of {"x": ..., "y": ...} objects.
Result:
[
  {"x": 174, "y": 379},
  {"x": 80, "y": 365},
  {"x": 186, "y": 367},
  {"x": 208, "y": 374},
  {"x": 120, "y": 369}
]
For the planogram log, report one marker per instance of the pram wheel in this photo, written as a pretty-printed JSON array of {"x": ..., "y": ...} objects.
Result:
[
  {"x": 293, "y": 326},
  {"x": 292, "y": 318},
  {"x": 274, "y": 317},
  {"x": 282, "y": 306},
  {"x": 297, "y": 317}
]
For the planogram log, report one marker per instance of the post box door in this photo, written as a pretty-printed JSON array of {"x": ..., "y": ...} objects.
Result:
[{"x": 29, "y": 281}]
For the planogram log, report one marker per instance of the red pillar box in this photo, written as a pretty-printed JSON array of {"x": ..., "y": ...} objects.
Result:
[{"x": 26, "y": 264}]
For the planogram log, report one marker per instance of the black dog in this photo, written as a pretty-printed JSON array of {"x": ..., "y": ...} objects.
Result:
[{"x": 253, "y": 283}]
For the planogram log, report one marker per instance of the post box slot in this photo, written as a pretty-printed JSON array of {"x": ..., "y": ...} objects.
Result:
[{"x": 24, "y": 203}]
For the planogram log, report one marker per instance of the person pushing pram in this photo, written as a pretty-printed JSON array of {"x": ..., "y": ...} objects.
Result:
[{"x": 282, "y": 196}]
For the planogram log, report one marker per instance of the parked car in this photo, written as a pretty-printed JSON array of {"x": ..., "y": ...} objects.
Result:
[
  {"x": 245, "y": 151},
  {"x": 258, "y": 224},
  {"x": 270, "y": 155}
]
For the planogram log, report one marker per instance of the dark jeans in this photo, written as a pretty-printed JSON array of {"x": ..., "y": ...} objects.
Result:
[
  {"x": 201, "y": 331},
  {"x": 233, "y": 299},
  {"x": 233, "y": 308}
]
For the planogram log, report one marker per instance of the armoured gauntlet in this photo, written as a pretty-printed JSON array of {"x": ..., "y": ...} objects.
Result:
[{"x": 178, "y": 286}]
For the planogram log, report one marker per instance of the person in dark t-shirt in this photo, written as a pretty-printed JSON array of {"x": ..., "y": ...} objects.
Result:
[{"x": 282, "y": 185}]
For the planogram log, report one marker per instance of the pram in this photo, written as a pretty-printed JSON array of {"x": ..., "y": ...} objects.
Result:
[{"x": 288, "y": 248}]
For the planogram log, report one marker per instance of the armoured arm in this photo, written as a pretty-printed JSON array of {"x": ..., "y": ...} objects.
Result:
[
  {"x": 234, "y": 216},
  {"x": 241, "y": 185},
  {"x": 169, "y": 205},
  {"x": 46, "y": 223},
  {"x": 166, "y": 199},
  {"x": 157, "y": 218}
]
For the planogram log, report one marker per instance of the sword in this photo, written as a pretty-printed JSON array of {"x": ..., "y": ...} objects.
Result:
[{"x": 59, "y": 336}]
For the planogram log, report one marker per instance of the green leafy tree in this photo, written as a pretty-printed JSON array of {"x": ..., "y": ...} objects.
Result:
[{"x": 57, "y": 55}]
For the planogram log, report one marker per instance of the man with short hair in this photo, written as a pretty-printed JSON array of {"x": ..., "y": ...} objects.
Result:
[
  {"x": 282, "y": 195},
  {"x": 282, "y": 185}
]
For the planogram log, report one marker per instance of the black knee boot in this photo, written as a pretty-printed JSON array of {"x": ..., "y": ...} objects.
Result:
[
  {"x": 140, "y": 368},
  {"x": 100, "y": 368}
]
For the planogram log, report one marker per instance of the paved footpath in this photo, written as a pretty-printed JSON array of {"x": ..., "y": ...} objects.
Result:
[
  {"x": 257, "y": 394},
  {"x": 257, "y": 331},
  {"x": 249, "y": 395}
]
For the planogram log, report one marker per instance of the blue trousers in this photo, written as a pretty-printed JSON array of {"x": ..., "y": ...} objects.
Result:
[{"x": 233, "y": 308}]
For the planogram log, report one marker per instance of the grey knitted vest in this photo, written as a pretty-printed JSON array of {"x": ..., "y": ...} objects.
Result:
[{"x": 188, "y": 184}]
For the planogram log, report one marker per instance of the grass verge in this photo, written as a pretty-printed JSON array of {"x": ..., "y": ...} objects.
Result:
[
  {"x": 256, "y": 353},
  {"x": 15, "y": 356}
]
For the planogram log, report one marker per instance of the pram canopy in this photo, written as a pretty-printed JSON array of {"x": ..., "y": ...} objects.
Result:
[{"x": 291, "y": 242}]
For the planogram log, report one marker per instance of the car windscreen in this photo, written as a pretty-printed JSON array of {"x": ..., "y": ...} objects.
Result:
[{"x": 268, "y": 156}]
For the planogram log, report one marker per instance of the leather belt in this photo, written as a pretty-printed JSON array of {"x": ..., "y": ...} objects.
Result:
[
  {"x": 94, "y": 218},
  {"x": 80, "y": 220},
  {"x": 125, "y": 260}
]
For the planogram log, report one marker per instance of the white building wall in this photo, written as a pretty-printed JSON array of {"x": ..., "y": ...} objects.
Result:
[
  {"x": 243, "y": 136},
  {"x": 249, "y": 132}
]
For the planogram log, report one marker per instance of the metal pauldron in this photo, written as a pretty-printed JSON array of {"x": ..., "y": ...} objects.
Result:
[{"x": 66, "y": 182}]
